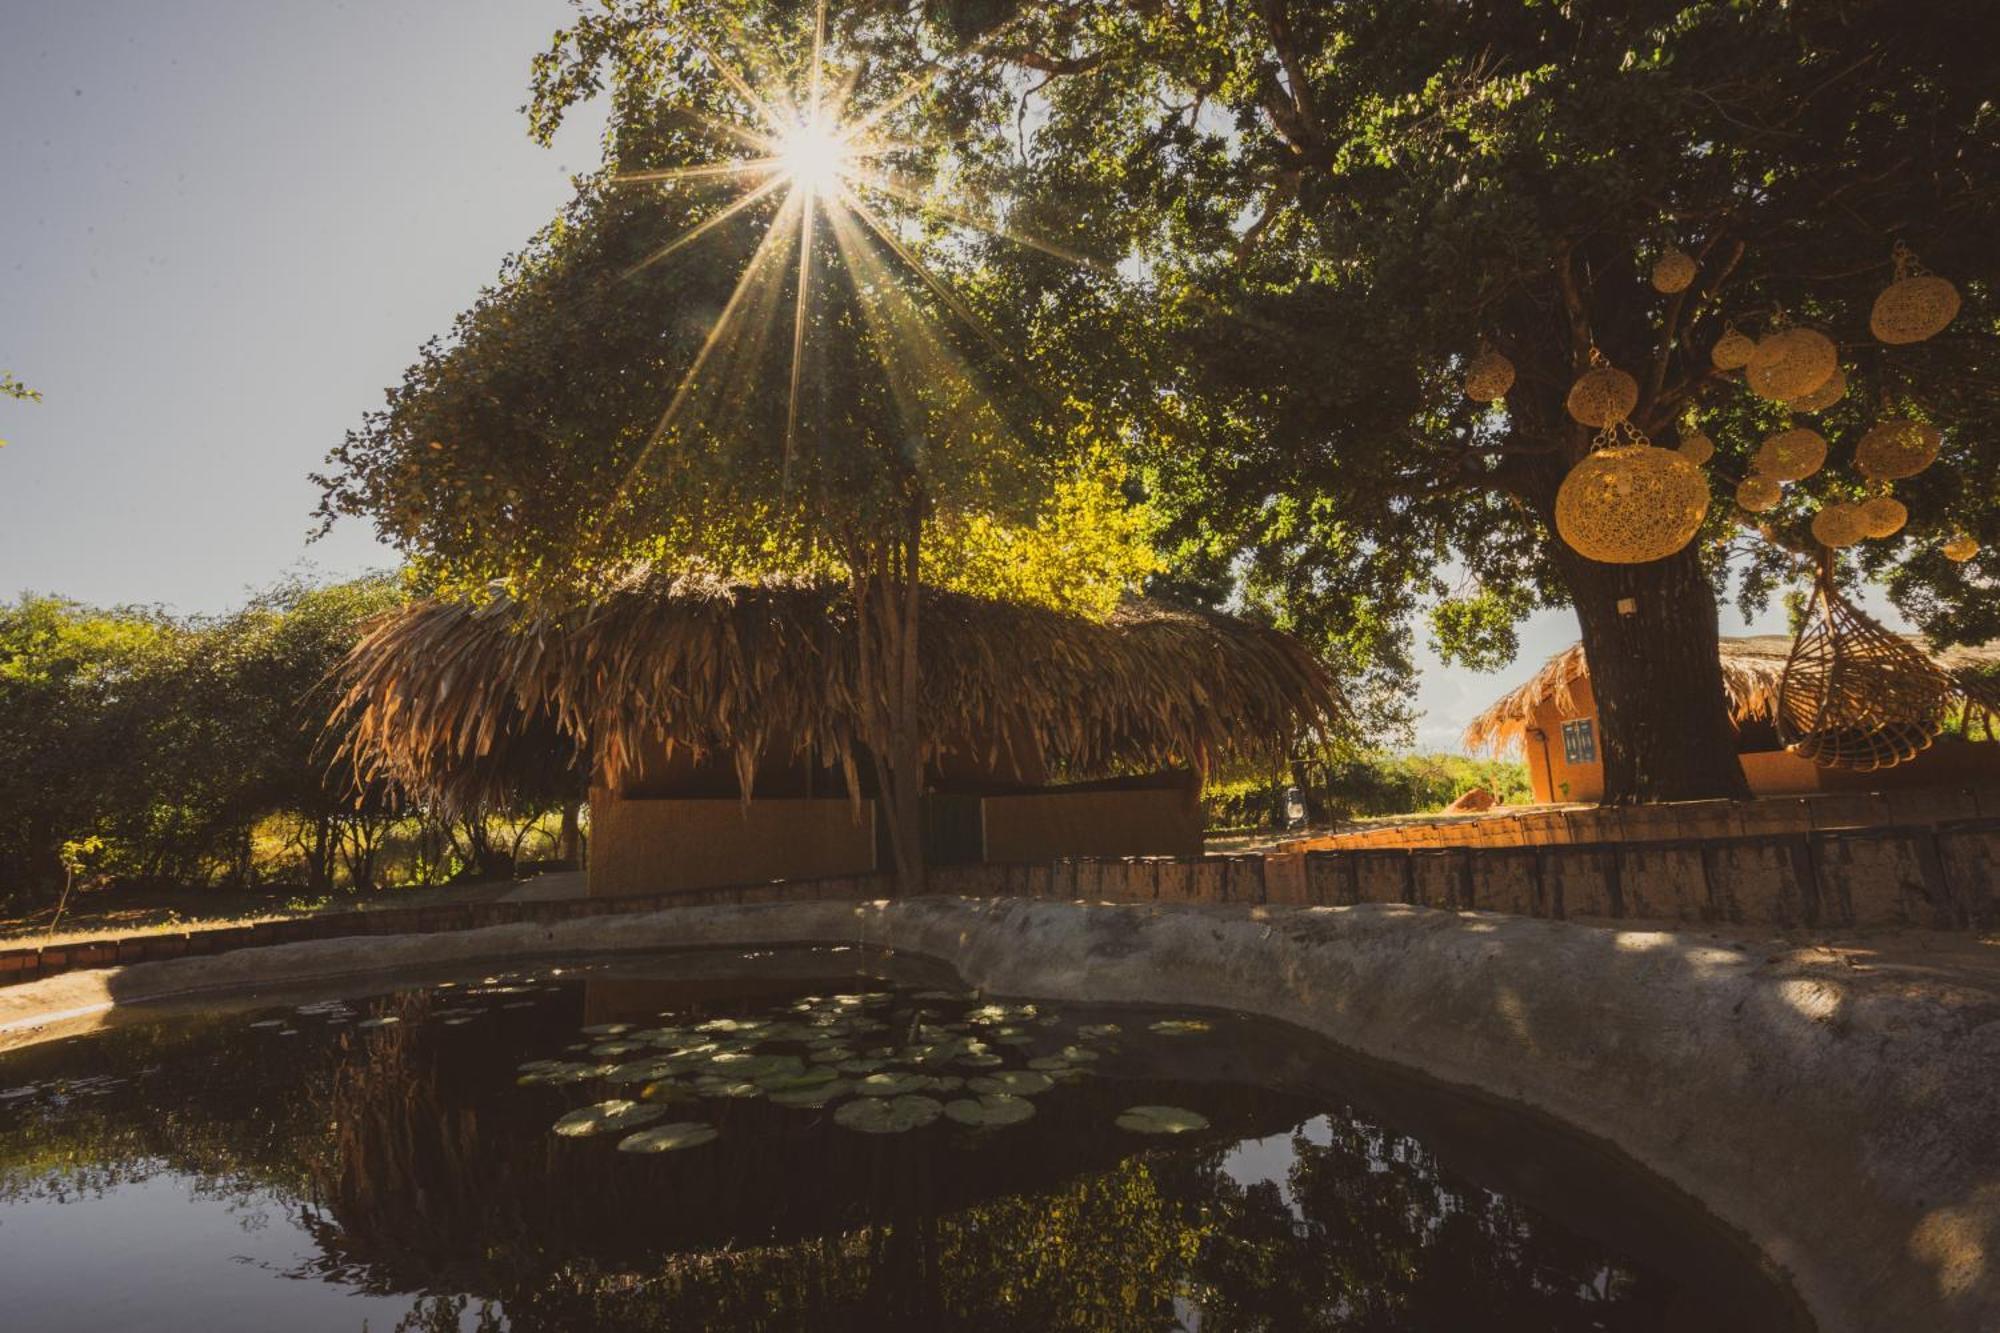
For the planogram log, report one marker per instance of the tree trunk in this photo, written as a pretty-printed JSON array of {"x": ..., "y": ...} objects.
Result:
[
  {"x": 887, "y": 599},
  {"x": 1650, "y": 639},
  {"x": 569, "y": 842}
]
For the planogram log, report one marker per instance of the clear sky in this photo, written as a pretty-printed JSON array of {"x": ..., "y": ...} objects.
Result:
[{"x": 226, "y": 227}]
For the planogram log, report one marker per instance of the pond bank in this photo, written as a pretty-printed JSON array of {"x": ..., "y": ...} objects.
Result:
[{"x": 1844, "y": 1116}]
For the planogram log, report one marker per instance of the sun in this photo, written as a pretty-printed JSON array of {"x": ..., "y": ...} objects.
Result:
[{"x": 815, "y": 154}]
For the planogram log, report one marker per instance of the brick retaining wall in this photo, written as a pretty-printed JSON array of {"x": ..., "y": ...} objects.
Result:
[{"x": 1944, "y": 877}]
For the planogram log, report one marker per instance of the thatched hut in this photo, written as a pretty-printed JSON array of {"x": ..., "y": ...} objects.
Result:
[
  {"x": 718, "y": 723},
  {"x": 1552, "y": 721}
]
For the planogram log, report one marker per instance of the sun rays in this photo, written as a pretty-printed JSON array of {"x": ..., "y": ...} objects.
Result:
[{"x": 816, "y": 160}]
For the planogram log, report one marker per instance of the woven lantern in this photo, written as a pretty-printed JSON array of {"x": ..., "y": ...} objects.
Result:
[
  {"x": 1697, "y": 448},
  {"x": 1839, "y": 524},
  {"x": 1674, "y": 271},
  {"x": 1791, "y": 455},
  {"x": 1883, "y": 516},
  {"x": 1732, "y": 350},
  {"x": 1916, "y": 306},
  {"x": 1758, "y": 495},
  {"x": 1790, "y": 364},
  {"x": 1960, "y": 549},
  {"x": 1603, "y": 395},
  {"x": 1897, "y": 448},
  {"x": 1488, "y": 376},
  {"x": 1630, "y": 504},
  {"x": 1825, "y": 396}
]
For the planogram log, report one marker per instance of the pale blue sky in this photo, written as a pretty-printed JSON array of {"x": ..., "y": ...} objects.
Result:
[{"x": 227, "y": 226}]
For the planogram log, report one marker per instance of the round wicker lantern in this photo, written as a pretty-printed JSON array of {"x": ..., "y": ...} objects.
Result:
[
  {"x": 1825, "y": 396},
  {"x": 1674, "y": 271},
  {"x": 1488, "y": 376},
  {"x": 1790, "y": 364},
  {"x": 1916, "y": 306},
  {"x": 1960, "y": 549},
  {"x": 1758, "y": 495},
  {"x": 1697, "y": 448},
  {"x": 1630, "y": 504},
  {"x": 1839, "y": 524},
  {"x": 1603, "y": 395},
  {"x": 1897, "y": 448},
  {"x": 1883, "y": 516},
  {"x": 1732, "y": 350},
  {"x": 1791, "y": 455}
]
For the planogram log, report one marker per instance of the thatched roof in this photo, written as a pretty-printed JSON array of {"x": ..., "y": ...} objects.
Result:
[
  {"x": 1752, "y": 666},
  {"x": 452, "y": 701}
]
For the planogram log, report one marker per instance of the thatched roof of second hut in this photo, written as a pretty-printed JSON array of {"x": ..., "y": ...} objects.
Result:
[
  {"x": 453, "y": 700},
  {"x": 1752, "y": 666}
]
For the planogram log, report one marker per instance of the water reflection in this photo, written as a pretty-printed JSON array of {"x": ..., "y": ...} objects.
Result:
[{"x": 400, "y": 1166}]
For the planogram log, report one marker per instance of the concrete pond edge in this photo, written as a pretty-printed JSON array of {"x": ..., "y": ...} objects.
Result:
[{"x": 1846, "y": 1121}]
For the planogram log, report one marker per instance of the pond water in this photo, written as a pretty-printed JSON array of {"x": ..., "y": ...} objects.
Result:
[{"x": 807, "y": 1139}]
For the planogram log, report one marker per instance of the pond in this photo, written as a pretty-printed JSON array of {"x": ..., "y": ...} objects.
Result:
[{"x": 801, "y": 1139}]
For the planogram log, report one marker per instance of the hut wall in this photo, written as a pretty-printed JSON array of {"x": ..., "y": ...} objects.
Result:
[
  {"x": 642, "y": 846},
  {"x": 1045, "y": 825},
  {"x": 1550, "y": 772}
]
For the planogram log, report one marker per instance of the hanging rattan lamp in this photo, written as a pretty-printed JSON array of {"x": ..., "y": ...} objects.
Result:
[
  {"x": 1855, "y": 696},
  {"x": 1791, "y": 455},
  {"x": 1790, "y": 363},
  {"x": 1915, "y": 306},
  {"x": 1488, "y": 376},
  {"x": 1696, "y": 447},
  {"x": 1732, "y": 350},
  {"x": 1674, "y": 271},
  {"x": 1825, "y": 396},
  {"x": 1840, "y": 524},
  {"x": 1960, "y": 549},
  {"x": 1884, "y": 516},
  {"x": 1631, "y": 503},
  {"x": 1603, "y": 395},
  {"x": 1757, "y": 494},
  {"x": 1897, "y": 448}
]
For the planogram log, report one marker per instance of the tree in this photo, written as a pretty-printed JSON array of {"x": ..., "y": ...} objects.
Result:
[
  {"x": 13, "y": 388},
  {"x": 745, "y": 379},
  {"x": 1299, "y": 219}
]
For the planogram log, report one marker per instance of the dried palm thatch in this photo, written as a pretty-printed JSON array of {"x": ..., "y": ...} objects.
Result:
[
  {"x": 451, "y": 701},
  {"x": 1752, "y": 668}
]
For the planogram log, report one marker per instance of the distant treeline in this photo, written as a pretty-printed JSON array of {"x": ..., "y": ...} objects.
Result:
[
  {"x": 151, "y": 749},
  {"x": 1340, "y": 782}
]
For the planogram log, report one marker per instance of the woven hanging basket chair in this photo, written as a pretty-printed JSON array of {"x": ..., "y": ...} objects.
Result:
[
  {"x": 1825, "y": 396},
  {"x": 1488, "y": 376},
  {"x": 1696, "y": 447},
  {"x": 1897, "y": 448},
  {"x": 1674, "y": 271},
  {"x": 1732, "y": 350},
  {"x": 1916, "y": 306},
  {"x": 1854, "y": 696},
  {"x": 1758, "y": 494},
  {"x": 1631, "y": 504},
  {"x": 1791, "y": 455},
  {"x": 1885, "y": 516},
  {"x": 1790, "y": 364},
  {"x": 1603, "y": 396}
]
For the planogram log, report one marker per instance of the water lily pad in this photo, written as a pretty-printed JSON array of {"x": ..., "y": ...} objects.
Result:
[
  {"x": 831, "y": 1055},
  {"x": 1096, "y": 1031},
  {"x": 670, "y": 1138},
  {"x": 726, "y": 1087},
  {"x": 786, "y": 1081},
  {"x": 1180, "y": 1027},
  {"x": 604, "y": 1117},
  {"x": 383, "y": 1021},
  {"x": 1019, "y": 1082},
  {"x": 742, "y": 1065},
  {"x": 612, "y": 1050},
  {"x": 606, "y": 1029},
  {"x": 812, "y": 1097},
  {"x": 269, "y": 1023},
  {"x": 1161, "y": 1120},
  {"x": 642, "y": 1071},
  {"x": 888, "y": 1115},
  {"x": 994, "y": 1108},
  {"x": 891, "y": 1084},
  {"x": 862, "y": 1066},
  {"x": 946, "y": 1082},
  {"x": 668, "y": 1091},
  {"x": 981, "y": 1060}
]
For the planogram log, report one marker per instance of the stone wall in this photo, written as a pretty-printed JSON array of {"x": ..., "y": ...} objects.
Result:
[{"x": 1942, "y": 877}]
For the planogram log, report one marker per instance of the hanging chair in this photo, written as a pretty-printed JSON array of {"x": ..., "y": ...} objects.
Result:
[{"x": 1854, "y": 695}]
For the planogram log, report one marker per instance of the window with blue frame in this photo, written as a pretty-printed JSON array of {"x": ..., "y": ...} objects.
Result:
[{"x": 1580, "y": 742}]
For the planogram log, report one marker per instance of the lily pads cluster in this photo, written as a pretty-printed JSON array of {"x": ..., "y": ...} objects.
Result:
[{"x": 880, "y": 1064}]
